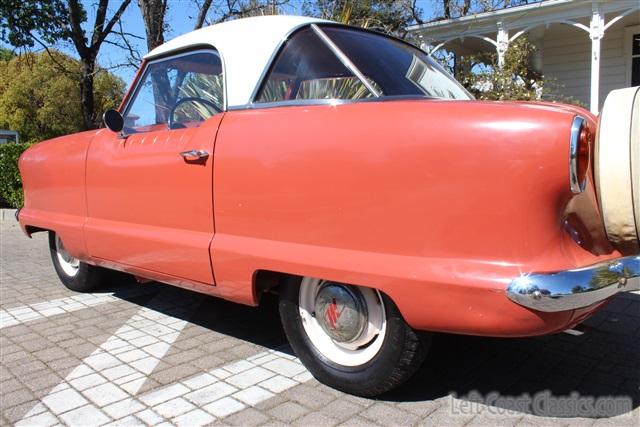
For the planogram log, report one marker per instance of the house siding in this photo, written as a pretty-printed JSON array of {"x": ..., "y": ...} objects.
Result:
[{"x": 566, "y": 58}]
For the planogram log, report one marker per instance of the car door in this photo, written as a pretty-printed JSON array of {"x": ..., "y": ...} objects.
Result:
[{"x": 149, "y": 189}]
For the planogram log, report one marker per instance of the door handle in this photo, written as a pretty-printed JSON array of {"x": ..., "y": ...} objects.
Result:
[{"x": 194, "y": 154}]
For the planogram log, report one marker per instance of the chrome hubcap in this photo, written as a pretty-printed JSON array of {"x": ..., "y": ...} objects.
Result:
[
  {"x": 345, "y": 323},
  {"x": 341, "y": 312}
]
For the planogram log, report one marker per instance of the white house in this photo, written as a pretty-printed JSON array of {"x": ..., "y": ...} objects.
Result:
[{"x": 589, "y": 47}]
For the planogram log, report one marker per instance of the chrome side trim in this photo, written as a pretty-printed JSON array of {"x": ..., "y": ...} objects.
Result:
[
  {"x": 572, "y": 289},
  {"x": 344, "y": 59},
  {"x": 311, "y": 102},
  {"x": 576, "y": 186}
]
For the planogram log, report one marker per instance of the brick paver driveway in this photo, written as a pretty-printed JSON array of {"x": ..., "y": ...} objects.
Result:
[{"x": 151, "y": 354}]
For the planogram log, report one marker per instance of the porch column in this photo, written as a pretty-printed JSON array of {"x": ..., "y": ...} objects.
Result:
[
  {"x": 502, "y": 44},
  {"x": 596, "y": 32}
]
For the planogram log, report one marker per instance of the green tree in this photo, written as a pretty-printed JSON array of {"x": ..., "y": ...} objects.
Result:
[
  {"x": 389, "y": 16},
  {"x": 39, "y": 102},
  {"x": 517, "y": 79},
  {"x": 44, "y": 23},
  {"x": 6, "y": 54}
]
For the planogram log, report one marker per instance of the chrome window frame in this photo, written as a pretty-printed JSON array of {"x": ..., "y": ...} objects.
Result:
[
  {"x": 173, "y": 55},
  {"x": 332, "y": 102}
]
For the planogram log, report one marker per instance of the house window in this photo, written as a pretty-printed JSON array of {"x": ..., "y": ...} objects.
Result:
[{"x": 635, "y": 59}]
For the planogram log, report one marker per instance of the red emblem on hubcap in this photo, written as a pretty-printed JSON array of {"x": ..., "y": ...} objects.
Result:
[{"x": 333, "y": 314}]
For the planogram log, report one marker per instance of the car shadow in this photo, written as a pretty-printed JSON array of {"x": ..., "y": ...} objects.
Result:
[
  {"x": 540, "y": 376},
  {"x": 596, "y": 374}
]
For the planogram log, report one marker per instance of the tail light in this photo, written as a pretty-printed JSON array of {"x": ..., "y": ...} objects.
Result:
[{"x": 579, "y": 154}]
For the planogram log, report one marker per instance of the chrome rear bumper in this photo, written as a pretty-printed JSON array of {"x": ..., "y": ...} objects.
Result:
[{"x": 571, "y": 289}]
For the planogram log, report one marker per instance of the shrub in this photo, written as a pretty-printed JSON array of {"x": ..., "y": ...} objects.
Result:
[{"x": 10, "y": 182}]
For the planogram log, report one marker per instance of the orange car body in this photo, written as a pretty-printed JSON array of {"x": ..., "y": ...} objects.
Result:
[{"x": 438, "y": 204}]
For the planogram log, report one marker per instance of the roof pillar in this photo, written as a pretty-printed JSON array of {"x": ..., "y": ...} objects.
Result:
[
  {"x": 502, "y": 44},
  {"x": 596, "y": 32}
]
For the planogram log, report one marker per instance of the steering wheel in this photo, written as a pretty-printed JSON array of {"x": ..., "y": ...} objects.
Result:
[{"x": 172, "y": 124}]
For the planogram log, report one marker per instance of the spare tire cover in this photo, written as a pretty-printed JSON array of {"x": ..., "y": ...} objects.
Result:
[{"x": 617, "y": 168}]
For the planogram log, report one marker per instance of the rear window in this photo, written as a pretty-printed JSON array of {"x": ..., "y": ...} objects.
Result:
[{"x": 396, "y": 67}]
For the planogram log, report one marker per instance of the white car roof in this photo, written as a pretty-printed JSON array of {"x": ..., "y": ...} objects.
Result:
[{"x": 245, "y": 45}]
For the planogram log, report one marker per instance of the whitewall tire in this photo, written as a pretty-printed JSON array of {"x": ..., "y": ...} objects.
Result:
[
  {"x": 352, "y": 338},
  {"x": 73, "y": 273}
]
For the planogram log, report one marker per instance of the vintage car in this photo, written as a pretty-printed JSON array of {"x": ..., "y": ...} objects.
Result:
[{"x": 347, "y": 172}]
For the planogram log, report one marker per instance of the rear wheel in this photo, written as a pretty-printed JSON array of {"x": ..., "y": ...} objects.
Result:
[
  {"x": 73, "y": 273},
  {"x": 351, "y": 338}
]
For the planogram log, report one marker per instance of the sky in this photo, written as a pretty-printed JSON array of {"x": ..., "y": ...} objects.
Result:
[{"x": 180, "y": 17}]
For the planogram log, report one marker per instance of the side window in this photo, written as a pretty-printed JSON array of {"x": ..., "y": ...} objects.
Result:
[
  {"x": 178, "y": 92},
  {"x": 307, "y": 69}
]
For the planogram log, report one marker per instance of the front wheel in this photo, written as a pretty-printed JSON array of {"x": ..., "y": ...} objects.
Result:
[
  {"x": 73, "y": 273},
  {"x": 351, "y": 338}
]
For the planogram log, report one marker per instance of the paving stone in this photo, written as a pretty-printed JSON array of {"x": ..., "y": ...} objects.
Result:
[
  {"x": 199, "y": 381},
  {"x": 197, "y": 417},
  {"x": 341, "y": 410},
  {"x": 174, "y": 374},
  {"x": 389, "y": 414},
  {"x": 129, "y": 421},
  {"x": 210, "y": 393},
  {"x": 16, "y": 397},
  {"x": 316, "y": 419},
  {"x": 247, "y": 417},
  {"x": 286, "y": 368},
  {"x": 123, "y": 408},
  {"x": 164, "y": 394},
  {"x": 173, "y": 407},
  {"x": 307, "y": 396},
  {"x": 215, "y": 372},
  {"x": 86, "y": 415},
  {"x": 278, "y": 384},
  {"x": 253, "y": 395},
  {"x": 249, "y": 377},
  {"x": 288, "y": 411},
  {"x": 105, "y": 394},
  {"x": 64, "y": 401},
  {"x": 87, "y": 381},
  {"x": 42, "y": 420},
  {"x": 150, "y": 417},
  {"x": 224, "y": 407},
  {"x": 16, "y": 413}
]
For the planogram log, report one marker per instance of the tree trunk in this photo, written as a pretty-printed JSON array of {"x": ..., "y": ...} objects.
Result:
[
  {"x": 153, "y": 14},
  {"x": 86, "y": 93}
]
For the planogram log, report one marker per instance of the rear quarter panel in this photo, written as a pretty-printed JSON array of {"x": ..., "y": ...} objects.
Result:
[{"x": 439, "y": 204}]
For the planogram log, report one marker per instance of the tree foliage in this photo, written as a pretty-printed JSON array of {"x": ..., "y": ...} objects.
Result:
[
  {"x": 10, "y": 182},
  {"x": 389, "y": 16},
  {"x": 39, "y": 102},
  {"x": 457, "y": 8},
  {"x": 24, "y": 23},
  {"x": 6, "y": 54},
  {"x": 27, "y": 23},
  {"x": 516, "y": 80}
]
